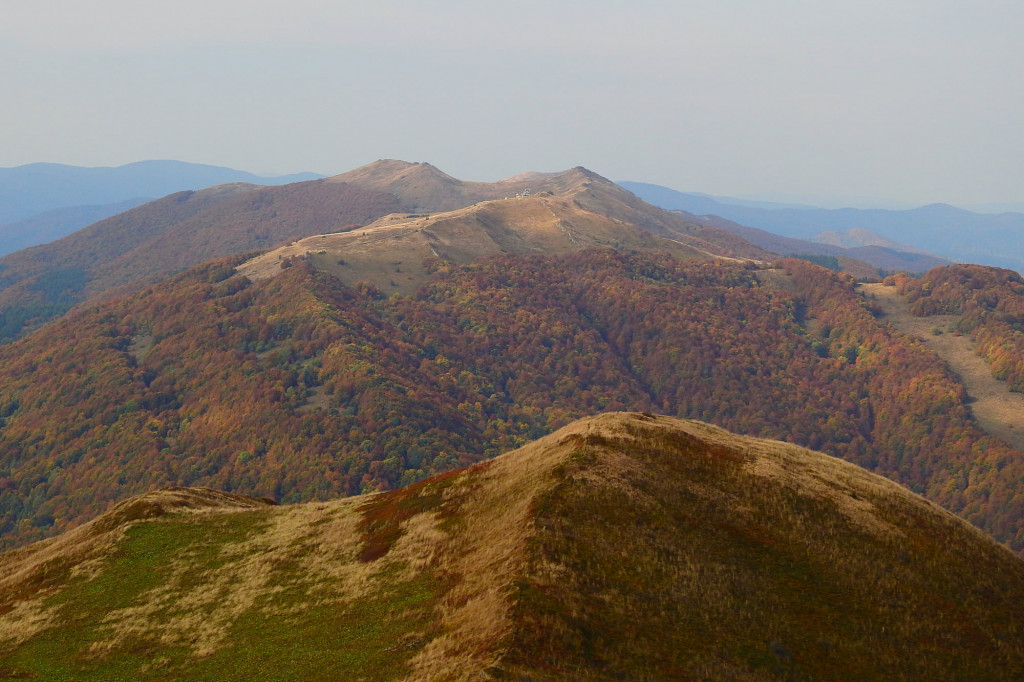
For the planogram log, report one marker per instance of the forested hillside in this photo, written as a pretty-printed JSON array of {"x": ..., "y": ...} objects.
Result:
[
  {"x": 298, "y": 387},
  {"x": 990, "y": 302}
]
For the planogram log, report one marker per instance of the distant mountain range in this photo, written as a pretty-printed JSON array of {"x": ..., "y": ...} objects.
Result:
[
  {"x": 48, "y": 226},
  {"x": 952, "y": 233},
  {"x": 865, "y": 259},
  {"x": 41, "y": 202}
]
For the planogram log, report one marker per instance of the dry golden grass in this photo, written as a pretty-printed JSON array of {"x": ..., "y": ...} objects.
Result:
[
  {"x": 33, "y": 572},
  {"x": 485, "y": 557},
  {"x": 391, "y": 252},
  {"x": 622, "y": 546},
  {"x": 574, "y": 212},
  {"x": 423, "y": 187}
]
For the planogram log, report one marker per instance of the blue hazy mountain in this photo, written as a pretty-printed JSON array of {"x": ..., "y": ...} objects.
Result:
[
  {"x": 41, "y": 202},
  {"x": 953, "y": 233},
  {"x": 51, "y": 225}
]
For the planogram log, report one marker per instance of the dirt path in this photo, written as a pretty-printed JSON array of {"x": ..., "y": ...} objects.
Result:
[{"x": 999, "y": 411}]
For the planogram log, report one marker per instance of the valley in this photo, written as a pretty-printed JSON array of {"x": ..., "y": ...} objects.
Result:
[{"x": 997, "y": 409}]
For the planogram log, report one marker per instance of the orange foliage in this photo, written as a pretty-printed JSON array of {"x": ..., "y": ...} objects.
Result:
[{"x": 300, "y": 388}]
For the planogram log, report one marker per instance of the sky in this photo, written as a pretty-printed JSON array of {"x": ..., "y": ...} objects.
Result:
[{"x": 859, "y": 102}]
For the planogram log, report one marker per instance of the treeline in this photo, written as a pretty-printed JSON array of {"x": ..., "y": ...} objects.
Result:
[
  {"x": 300, "y": 388},
  {"x": 923, "y": 434}
]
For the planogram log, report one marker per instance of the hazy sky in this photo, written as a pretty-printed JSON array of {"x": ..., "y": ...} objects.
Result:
[{"x": 910, "y": 101}]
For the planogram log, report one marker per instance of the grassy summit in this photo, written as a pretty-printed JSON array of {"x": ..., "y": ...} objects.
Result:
[{"x": 623, "y": 546}]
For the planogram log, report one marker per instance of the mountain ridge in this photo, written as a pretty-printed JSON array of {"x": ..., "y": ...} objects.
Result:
[
  {"x": 864, "y": 262},
  {"x": 58, "y": 222},
  {"x": 532, "y": 213},
  {"x": 622, "y": 545},
  {"x": 167, "y": 235},
  {"x": 181, "y": 230}
]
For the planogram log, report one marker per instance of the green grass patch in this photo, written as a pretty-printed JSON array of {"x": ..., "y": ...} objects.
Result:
[
  {"x": 137, "y": 565},
  {"x": 306, "y": 631},
  {"x": 372, "y": 638}
]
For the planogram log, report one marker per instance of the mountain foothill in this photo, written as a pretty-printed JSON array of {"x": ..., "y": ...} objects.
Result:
[{"x": 283, "y": 386}]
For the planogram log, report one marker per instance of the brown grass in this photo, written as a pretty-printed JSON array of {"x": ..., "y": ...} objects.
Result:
[
  {"x": 675, "y": 550},
  {"x": 624, "y": 546},
  {"x": 391, "y": 252},
  {"x": 29, "y": 574}
]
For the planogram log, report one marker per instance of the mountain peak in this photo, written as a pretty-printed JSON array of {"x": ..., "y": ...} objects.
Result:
[{"x": 391, "y": 170}]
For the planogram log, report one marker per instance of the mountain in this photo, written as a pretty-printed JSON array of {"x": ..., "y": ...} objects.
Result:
[
  {"x": 53, "y": 224},
  {"x": 861, "y": 248},
  {"x": 299, "y": 387},
  {"x": 623, "y": 546},
  {"x": 35, "y": 188},
  {"x": 697, "y": 203},
  {"x": 168, "y": 235},
  {"x": 188, "y": 228},
  {"x": 952, "y": 233},
  {"x": 564, "y": 212},
  {"x": 425, "y": 188},
  {"x": 864, "y": 262},
  {"x": 857, "y": 237}
]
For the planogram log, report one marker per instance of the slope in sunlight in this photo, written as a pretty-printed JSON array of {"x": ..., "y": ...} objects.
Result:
[
  {"x": 623, "y": 546},
  {"x": 533, "y": 213},
  {"x": 182, "y": 230}
]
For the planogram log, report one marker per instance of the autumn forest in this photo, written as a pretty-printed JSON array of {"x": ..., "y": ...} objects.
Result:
[{"x": 300, "y": 388}]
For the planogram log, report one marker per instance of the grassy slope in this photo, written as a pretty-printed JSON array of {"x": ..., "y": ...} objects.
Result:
[
  {"x": 622, "y": 546},
  {"x": 993, "y": 404},
  {"x": 150, "y": 242},
  {"x": 398, "y": 253},
  {"x": 661, "y": 556}
]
